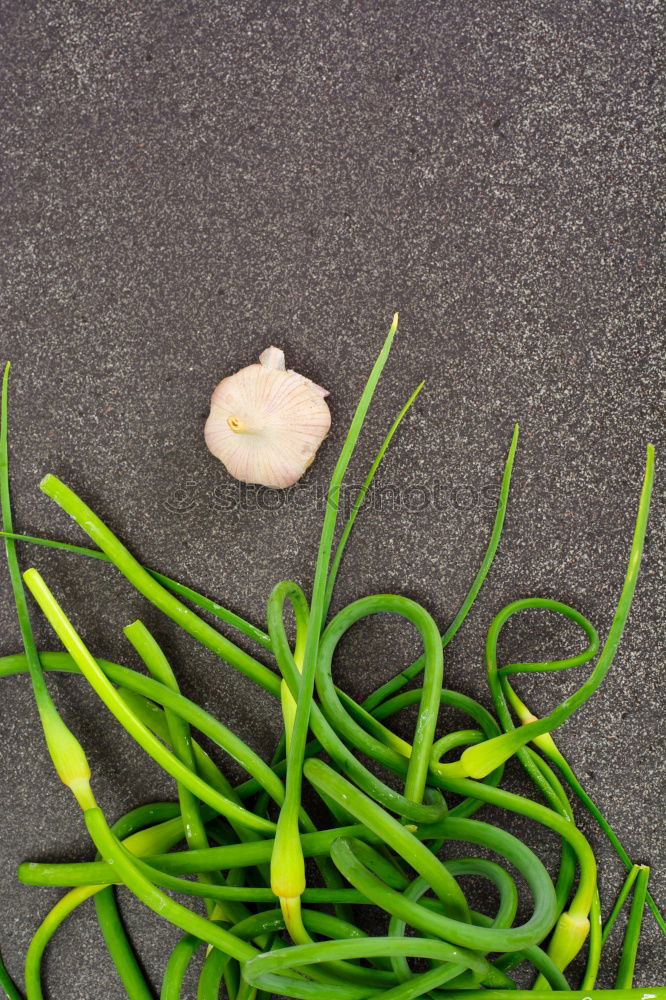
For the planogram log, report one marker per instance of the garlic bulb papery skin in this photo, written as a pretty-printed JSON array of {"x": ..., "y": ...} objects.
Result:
[{"x": 266, "y": 422}]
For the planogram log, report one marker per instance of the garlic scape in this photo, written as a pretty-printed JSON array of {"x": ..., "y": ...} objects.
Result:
[{"x": 266, "y": 422}]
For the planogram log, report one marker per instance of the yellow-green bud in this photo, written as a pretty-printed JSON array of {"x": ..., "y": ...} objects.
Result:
[
  {"x": 480, "y": 760},
  {"x": 568, "y": 938},
  {"x": 67, "y": 754},
  {"x": 287, "y": 862}
]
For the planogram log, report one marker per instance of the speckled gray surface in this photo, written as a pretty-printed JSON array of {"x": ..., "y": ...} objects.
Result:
[{"x": 185, "y": 183}]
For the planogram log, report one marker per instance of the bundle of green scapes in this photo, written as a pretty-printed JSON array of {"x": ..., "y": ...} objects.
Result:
[{"x": 271, "y": 928}]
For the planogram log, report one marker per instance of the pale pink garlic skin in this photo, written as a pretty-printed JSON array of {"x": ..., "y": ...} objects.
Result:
[{"x": 266, "y": 422}]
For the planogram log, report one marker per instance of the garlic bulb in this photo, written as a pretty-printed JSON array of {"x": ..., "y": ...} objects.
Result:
[{"x": 266, "y": 422}]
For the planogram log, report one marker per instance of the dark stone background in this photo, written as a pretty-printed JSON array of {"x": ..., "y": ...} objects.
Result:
[{"x": 186, "y": 183}]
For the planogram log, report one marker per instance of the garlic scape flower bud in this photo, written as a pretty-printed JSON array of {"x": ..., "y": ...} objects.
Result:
[{"x": 266, "y": 422}]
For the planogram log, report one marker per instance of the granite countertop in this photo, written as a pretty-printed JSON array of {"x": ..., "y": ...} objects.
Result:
[{"x": 187, "y": 183}]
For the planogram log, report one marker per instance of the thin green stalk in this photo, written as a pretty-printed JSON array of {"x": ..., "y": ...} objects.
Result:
[
  {"x": 42, "y": 695},
  {"x": 619, "y": 902},
  {"x": 567, "y": 872},
  {"x": 61, "y": 743},
  {"x": 625, "y": 972},
  {"x": 149, "y": 688},
  {"x": 210, "y": 977},
  {"x": 358, "y": 502},
  {"x": 118, "y": 944},
  {"x": 594, "y": 946},
  {"x": 7, "y": 983},
  {"x": 177, "y": 966},
  {"x": 44, "y": 933},
  {"x": 222, "y": 892}
]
